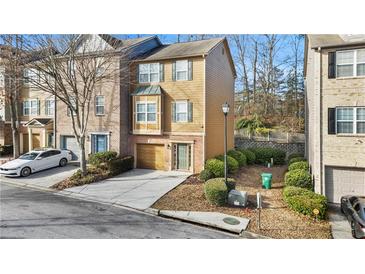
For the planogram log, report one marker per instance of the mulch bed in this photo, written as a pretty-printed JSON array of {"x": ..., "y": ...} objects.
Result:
[{"x": 277, "y": 220}]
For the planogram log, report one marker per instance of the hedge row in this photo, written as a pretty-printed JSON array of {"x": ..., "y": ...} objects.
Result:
[
  {"x": 305, "y": 201},
  {"x": 264, "y": 155}
]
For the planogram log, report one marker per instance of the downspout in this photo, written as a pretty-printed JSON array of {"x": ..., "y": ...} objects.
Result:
[{"x": 321, "y": 123}]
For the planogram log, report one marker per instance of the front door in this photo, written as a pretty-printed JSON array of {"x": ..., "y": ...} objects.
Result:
[{"x": 182, "y": 156}]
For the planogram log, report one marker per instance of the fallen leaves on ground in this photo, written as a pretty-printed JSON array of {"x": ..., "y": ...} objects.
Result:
[{"x": 277, "y": 220}]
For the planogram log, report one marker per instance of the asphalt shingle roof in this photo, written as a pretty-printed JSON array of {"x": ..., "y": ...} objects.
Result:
[
  {"x": 333, "y": 40},
  {"x": 185, "y": 49}
]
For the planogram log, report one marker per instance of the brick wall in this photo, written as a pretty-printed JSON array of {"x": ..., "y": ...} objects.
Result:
[{"x": 289, "y": 148}]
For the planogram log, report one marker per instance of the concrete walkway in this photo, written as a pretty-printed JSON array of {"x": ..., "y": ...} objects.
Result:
[
  {"x": 340, "y": 227},
  {"x": 138, "y": 188}
]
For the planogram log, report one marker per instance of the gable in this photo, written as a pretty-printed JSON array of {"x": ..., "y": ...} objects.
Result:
[{"x": 92, "y": 43}]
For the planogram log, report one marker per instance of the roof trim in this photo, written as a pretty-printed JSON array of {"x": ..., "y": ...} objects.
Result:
[{"x": 39, "y": 121}]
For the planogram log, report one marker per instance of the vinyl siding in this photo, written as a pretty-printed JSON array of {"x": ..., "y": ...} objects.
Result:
[{"x": 219, "y": 85}]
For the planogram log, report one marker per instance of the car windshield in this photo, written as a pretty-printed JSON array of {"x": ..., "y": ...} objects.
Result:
[{"x": 29, "y": 156}]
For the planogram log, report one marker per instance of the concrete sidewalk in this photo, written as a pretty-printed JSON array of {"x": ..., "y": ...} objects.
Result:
[{"x": 138, "y": 188}]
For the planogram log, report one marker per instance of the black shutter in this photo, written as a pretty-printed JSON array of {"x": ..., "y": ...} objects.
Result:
[
  {"x": 137, "y": 70},
  {"x": 173, "y": 71},
  {"x": 332, "y": 121},
  {"x": 190, "y": 70},
  {"x": 173, "y": 112},
  {"x": 190, "y": 111},
  {"x": 331, "y": 65},
  {"x": 162, "y": 77}
]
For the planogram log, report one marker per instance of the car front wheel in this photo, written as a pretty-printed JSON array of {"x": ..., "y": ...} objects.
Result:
[
  {"x": 63, "y": 162},
  {"x": 25, "y": 172}
]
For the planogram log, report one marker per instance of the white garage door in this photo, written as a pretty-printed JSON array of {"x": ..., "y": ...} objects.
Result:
[
  {"x": 70, "y": 143},
  {"x": 342, "y": 181}
]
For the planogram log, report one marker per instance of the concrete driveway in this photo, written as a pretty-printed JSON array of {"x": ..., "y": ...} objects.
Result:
[
  {"x": 44, "y": 178},
  {"x": 138, "y": 188},
  {"x": 340, "y": 227}
]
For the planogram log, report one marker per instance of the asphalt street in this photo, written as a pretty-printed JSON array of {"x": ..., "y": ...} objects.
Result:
[{"x": 28, "y": 213}]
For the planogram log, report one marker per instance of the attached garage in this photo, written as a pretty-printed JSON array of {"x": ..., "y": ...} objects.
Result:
[
  {"x": 340, "y": 181},
  {"x": 70, "y": 143},
  {"x": 151, "y": 156}
]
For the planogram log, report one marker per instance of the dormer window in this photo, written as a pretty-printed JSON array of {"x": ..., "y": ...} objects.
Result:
[{"x": 350, "y": 63}]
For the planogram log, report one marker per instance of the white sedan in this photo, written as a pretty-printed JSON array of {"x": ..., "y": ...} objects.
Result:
[{"x": 35, "y": 160}]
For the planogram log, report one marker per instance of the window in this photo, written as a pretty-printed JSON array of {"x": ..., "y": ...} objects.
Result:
[
  {"x": 73, "y": 103},
  {"x": 146, "y": 112},
  {"x": 350, "y": 63},
  {"x": 99, "y": 105},
  {"x": 2, "y": 77},
  {"x": 182, "y": 70},
  {"x": 149, "y": 73},
  {"x": 30, "y": 107},
  {"x": 49, "y": 107},
  {"x": 99, "y": 143},
  {"x": 30, "y": 75},
  {"x": 181, "y": 111},
  {"x": 350, "y": 120}
]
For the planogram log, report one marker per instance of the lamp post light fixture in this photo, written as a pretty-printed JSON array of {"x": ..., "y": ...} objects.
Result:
[{"x": 225, "y": 109}]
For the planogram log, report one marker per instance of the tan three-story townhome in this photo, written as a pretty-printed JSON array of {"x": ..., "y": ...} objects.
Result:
[
  {"x": 335, "y": 113},
  {"x": 177, "y": 92}
]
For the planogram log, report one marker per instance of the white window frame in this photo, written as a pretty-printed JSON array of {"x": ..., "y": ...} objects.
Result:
[
  {"x": 30, "y": 73},
  {"x": 47, "y": 106},
  {"x": 2, "y": 77},
  {"x": 30, "y": 107},
  {"x": 146, "y": 112},
  {"x": 99, "y": 105},
  {"x": 187, "y": 111},
  {"x": 187, "y": 70},
  {"x": 100, "y": 133},
  {"x": 149, "y": 73},
  {"x": 354, "y": 121},
  {"x": 354, "y": 63}
]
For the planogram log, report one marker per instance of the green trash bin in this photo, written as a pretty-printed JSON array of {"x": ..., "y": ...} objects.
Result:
[{"x": 266, "y": 180}]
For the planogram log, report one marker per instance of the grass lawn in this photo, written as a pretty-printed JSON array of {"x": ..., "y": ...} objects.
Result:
[{"x": 277, "y": 221}]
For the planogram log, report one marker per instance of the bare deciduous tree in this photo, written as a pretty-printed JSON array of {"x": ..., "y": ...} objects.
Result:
[
  {"x": 71, "y": 70},
  {"x": 13, "y": 58}
]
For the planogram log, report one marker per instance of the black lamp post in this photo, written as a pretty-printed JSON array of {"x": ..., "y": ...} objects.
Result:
[{"x": 225, "y": 109}]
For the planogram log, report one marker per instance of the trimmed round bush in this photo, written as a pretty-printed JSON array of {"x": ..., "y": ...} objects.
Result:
[
  {"x": 295, "y": 155},
  {"x": 299, "y": 165},
  {"x": 232, "y": 164},
  {"x": 290, "y": 191},
  {"x": 250, "y": 156},
  {"x": 205, "y": 175},
  {"x": 216, "y": 191},
  {"x": 215, "y": 166},
  {"x": 99, "y": 158},
  {"x": 299, "y": 178},
  {"x": 238, "y": 156},
  {"x": 264, "y": 155},
  {"x": 305, "y": 201},
  {"x": 297, "y": 159}
]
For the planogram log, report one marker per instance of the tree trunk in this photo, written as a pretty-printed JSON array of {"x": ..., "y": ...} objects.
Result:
[
  {"x": 14, "y": 129},
  {"x": 82, "y": 155},
  {"x": 15, "y": 135}
]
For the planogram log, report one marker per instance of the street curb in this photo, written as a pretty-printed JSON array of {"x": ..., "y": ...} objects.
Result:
[
  {"x": 250, "y": 235},
  {"x": 29, "y": 186},
  {"x": 153, "y": 211}
]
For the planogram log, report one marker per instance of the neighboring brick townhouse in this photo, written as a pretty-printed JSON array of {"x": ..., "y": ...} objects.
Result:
[{"x": 335, "y": 113}]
